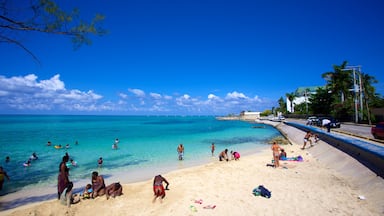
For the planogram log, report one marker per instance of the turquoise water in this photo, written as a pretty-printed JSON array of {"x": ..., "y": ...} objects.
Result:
[{"x": 147, "y": 145}]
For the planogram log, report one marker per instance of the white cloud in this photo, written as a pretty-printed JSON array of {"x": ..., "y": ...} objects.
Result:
[
  {"x": 155, "y": 96},
  {"x": 137, "y": 92},
  {"x": 29, "y": 93},
  {"x": 235, "y": 95},
  {"x": 123, "y": 96},
  {"x": 212, "y": 97}
]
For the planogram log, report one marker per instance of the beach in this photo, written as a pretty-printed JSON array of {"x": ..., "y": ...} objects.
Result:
[{"x": 326, "y": 182}]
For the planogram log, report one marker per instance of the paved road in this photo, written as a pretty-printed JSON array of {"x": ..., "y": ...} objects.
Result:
[{"x": 351, "y": 129}]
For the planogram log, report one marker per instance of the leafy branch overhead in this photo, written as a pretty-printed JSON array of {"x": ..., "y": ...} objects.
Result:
[{"x": 45, "y": 16}]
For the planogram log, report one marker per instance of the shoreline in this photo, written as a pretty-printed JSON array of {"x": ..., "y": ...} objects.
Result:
[{"x": 229, "y": 185}]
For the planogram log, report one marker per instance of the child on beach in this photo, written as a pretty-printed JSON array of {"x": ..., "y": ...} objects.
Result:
[
  {"x": 87, "y": 191},
  {"x": 283, "y": 155},
  {"x": 307, "y": 138}
]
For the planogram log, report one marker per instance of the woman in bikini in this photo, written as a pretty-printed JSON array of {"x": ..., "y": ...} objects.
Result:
[
  {"x": 276, "y": 153},
  {"x": 98, "y": 185}
]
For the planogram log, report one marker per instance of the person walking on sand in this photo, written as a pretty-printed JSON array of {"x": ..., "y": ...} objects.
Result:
[
  {"x": 276, "y": 154},
  {"x": 158, "y": 187},
  {"x": 307, "y": 138},
  {"x": 213, "y": 148},
  {"x": 180, "y": 151}
]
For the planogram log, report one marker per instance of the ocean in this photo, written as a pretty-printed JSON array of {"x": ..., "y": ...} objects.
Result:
[{"x": 147, "y": 146}]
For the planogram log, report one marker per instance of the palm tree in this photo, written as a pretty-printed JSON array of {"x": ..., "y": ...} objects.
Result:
[
  {"x": 368, "y": 92},
  {"x": 291, "y": 97},
  {"x": 282, "y": 105},
  {"x": 340, "y": 83}
]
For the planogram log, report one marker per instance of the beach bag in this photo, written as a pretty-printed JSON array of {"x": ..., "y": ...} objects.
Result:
[{"x": 264, "y": 192}]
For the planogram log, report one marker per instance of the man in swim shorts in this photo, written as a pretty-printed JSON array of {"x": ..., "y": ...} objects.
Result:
[
  {"x": 180, "y": 151},
  {"x": 158, "y": 187}
]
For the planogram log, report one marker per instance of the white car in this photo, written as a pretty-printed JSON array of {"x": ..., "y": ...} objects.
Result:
[{"x": 312, "y": 120}]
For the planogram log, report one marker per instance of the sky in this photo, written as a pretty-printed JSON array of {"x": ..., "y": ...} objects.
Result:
[{"x": 191, "y": 57}]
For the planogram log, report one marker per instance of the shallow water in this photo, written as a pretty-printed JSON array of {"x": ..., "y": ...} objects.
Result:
[{"x": 147, "y": 145}]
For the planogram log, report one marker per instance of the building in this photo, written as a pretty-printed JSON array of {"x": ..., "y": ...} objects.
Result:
[
  {"x": 302, "y": 95},
  {"x": 249, "y": 115}
]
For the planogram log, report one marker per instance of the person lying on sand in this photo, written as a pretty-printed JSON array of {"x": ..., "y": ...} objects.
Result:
[{"x": 113, "y": 190}]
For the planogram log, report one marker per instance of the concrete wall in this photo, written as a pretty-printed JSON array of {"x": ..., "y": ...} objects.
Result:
[{"x": 370, "y": 155}]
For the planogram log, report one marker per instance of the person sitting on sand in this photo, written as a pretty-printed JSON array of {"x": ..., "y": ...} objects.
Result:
[
  {"x": 113, "y": 190},
  {"x": 158, "y": 187},
  {"x": 276, "y": 154},
  {"x": 67, "y": 197},
  {"x": 223, "y": 155},
  {"x": 236, "y": 155},
  {"x": 98, "y": 185},
  {"x": 283, "y": 155},
  {"x": 87, "y": 193}
]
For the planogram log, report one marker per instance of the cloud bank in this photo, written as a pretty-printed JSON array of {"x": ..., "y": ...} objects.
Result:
[{"x": 27, "y": 94}]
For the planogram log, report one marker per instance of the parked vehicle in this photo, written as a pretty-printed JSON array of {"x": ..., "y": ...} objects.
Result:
[
  {"x": 323, "y": 121},
  {"x": 378, "y": 130},
  {"x": 312, "y": 120}
]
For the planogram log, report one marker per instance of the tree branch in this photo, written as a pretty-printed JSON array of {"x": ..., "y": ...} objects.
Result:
[{"x": 9, "y": 40}]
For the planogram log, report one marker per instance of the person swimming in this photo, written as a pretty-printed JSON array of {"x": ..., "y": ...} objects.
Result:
[{"x": 34, "y": 156}]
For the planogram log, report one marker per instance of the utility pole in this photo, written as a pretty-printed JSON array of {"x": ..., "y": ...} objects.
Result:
[{"x": 358, "y": 90}]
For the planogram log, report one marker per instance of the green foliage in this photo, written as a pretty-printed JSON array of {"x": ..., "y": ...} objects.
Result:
[
  {"x": 321, "y": 102},
  {"x": 266, "y": 113},
  {"x": 45, "y": 16}
]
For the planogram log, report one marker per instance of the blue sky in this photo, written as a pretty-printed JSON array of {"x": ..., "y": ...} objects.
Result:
[{"x": 191, "y": 57}]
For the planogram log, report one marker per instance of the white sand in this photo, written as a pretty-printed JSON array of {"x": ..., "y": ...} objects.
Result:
[{"x": 328, "y": 182}]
